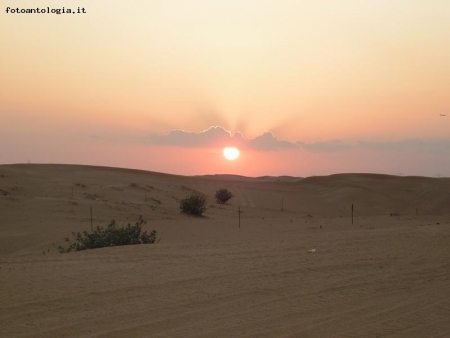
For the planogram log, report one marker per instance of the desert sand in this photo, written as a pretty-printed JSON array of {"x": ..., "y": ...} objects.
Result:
[{"x": 385, "y": 275}]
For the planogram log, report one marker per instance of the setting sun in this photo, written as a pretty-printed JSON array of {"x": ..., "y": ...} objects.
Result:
[{"x": 231, "y": 153}]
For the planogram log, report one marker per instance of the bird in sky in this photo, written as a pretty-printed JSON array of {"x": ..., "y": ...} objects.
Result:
[{"x": 442, "y": 114}]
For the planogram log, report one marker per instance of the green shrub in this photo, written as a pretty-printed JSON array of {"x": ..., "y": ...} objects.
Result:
[
  {"x": 193, "y": 205},
  {"x": 111, "y": 236},
  {"x": 223, "y": 196}
]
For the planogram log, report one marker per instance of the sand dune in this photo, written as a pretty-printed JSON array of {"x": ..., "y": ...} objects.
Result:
[{"x": 386, "y": 275}]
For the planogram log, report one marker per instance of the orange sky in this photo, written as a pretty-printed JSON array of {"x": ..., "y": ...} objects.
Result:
[{"x": 93, "y": 88}]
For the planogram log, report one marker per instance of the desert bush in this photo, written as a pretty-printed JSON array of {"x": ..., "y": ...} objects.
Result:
[
  {"x": 223, "y": 196},
  {"x": 112, "y": 235},
  {"x": 193, "y": 205}
]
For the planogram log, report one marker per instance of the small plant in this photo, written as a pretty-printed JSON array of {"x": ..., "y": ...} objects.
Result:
[
  {"x": 111, "y": 236},
  {"x": 223, "y": 196},
  {"x": 193, "y": 205}
]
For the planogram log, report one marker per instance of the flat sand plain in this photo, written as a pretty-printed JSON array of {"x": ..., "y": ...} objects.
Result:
[{"x": 385, "y": 275}]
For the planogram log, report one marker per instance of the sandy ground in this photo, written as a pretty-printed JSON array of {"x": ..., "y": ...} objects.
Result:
[{"x": 386, "y": 275}]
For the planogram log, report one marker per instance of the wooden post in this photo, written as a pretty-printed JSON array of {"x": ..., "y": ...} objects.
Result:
[
  {"x": 239, "y": 212},
  {"x": 91, "y": 218},
  {"x": 352, "y": 213}
]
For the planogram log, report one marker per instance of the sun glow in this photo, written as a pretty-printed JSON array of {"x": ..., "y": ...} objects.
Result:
[{"x": 231, "y": 153}]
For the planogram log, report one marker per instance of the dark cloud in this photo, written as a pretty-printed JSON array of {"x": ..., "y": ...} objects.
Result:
[
  {"x": 219, "y": 136},
  {"x": 409, "y": 144},
  {"x": 184, "y": 138},
  {"x": 328, "y": 146},
  {"x": 268, "y": 141}
]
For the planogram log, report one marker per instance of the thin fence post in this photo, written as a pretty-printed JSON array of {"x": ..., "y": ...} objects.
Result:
[
  {"x": 91, "y": 218},
  {"x": 352, "y": 213},
  {"x": 239, "y": 212}
]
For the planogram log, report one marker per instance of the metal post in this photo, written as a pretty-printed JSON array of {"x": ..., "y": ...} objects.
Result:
[
  {"x": 91, "y": 218},
  {"x": 352, "y": 213},
  {"x": 239, "y": 212}
]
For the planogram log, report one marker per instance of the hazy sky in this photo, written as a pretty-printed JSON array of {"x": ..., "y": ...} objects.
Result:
[{"x": 301, "y": 87}]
